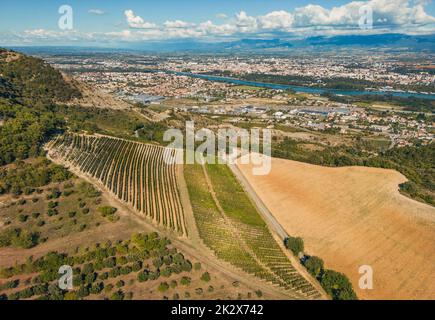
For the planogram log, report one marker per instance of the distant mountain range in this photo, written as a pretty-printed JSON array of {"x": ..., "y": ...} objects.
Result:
[
  {"x": 392, "y": 41},
  {"x": 387, "y": 41}
]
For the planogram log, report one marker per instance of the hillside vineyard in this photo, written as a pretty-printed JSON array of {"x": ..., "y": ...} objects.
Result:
[{"x": 136, "y": 173}]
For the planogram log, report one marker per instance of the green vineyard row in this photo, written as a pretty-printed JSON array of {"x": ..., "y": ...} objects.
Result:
[{"x": 136, "y": 173}]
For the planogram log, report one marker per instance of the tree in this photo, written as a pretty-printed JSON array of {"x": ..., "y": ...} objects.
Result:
[
  {"x": 197, "y": 266},
  {"x": 185, "y": 281},
  {"x": 205, "y": 277},
  {"x": 163, "y": 287},
  {"x": 295, "y": 244},
  {"x": 314, "y": 265},
  {"x": 118, "y": 295},
  {"x": 337, "y": 285}
]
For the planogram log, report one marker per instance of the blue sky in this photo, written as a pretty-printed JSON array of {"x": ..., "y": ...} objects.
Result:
[{"x": 34, "y": 22}]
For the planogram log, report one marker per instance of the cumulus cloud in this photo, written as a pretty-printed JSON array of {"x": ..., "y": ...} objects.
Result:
[
  {"x": 246, "y": 23},
  {"x": 177, "y": 24},
  {"x": 136, "y": 22},
  {"x": 395, "y": 13},
  {"x": 97, "y": 12},
  {"x": 405, "y": 16},
  {"x": 276, "y": 20}
]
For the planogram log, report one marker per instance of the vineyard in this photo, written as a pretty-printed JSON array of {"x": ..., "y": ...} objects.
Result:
[
  {"x": 230, "y": 226},
  {"x": 134, "y": 172}
]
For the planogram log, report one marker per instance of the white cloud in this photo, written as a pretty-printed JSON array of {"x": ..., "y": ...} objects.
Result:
[
  {"x": 209, "y": 28},
  {"x": 392, "y": 12},
  {"x": 136, "y": 22},
  {"x": 97, "y": 12},
  {"x": 276, "y": 20},
  {"x": 246, "y": 23},
  {"x": 177, "y": 24},
  {"x": 402, "y": 16}
]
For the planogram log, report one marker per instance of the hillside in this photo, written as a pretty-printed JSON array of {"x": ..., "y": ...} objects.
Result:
[
  {"x": 30, "y": 80},
  {"x": 37, "y": 101}
]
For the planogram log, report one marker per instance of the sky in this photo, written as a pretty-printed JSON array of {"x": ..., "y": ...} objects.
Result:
[{"x": 113, "y": 22}]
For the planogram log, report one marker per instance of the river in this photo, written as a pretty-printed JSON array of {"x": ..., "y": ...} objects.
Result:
[{"x": 302, "y": 89}]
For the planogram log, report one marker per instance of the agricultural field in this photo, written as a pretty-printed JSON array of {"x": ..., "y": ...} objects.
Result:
[
  {"x": 355, "y": 216},
  {"x": 136, "y": 173},
  {"x": 229, "y": 224}
]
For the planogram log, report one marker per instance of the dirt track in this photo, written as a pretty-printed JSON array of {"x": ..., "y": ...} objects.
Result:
[{"x": 352, "y": 217}]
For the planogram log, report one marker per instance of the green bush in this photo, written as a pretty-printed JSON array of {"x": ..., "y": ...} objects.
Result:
[
  {"x": 19, "y": 238},
  {"x": 163, "y": 287},
  {"x": 314, "y": 265},
  {"x": 337, "y": 285},
  {"x": 205, "y": 277},
  {"x": 118, "y": 295},
  {"x": 295, "y": 244},
  {"x": 185, "y": 281}
]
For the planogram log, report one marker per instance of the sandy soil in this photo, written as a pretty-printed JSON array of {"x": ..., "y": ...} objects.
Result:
[{"x": 352, "y": 217}]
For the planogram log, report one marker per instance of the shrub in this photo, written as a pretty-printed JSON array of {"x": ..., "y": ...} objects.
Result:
[
  {"x": 23, "y": 217},
  {"x": 205, "y": 277},
  {"x": 137, "y": 266},
  {"x": 197, "y": 266},
  {"x": 185, "y": 281},
  {"x": 314, "y": 265},
  {"x": 19, "y": 238},
  {"x": 163, "y": 287},
  {"x": 337, "y": 285},
  {"x": 295, "y": 244},
  {"x": 67, "y": 193},
  {"x": 97, "y": 288},
  {"x": 9, "y": 285},
  {"x": 88, "y": 190},
  {"x": 109, "y": 213},
  {"x": 103, "y": 276},
  {"x": 52, "y": 212},
  {"x": 142, "y": 276},
  {"x": 52, "y": 204},
  {"x": 118, "y": 295}
]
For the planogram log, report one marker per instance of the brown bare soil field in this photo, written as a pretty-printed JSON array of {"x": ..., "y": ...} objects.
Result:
[{"x": 355, "y": 216}]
